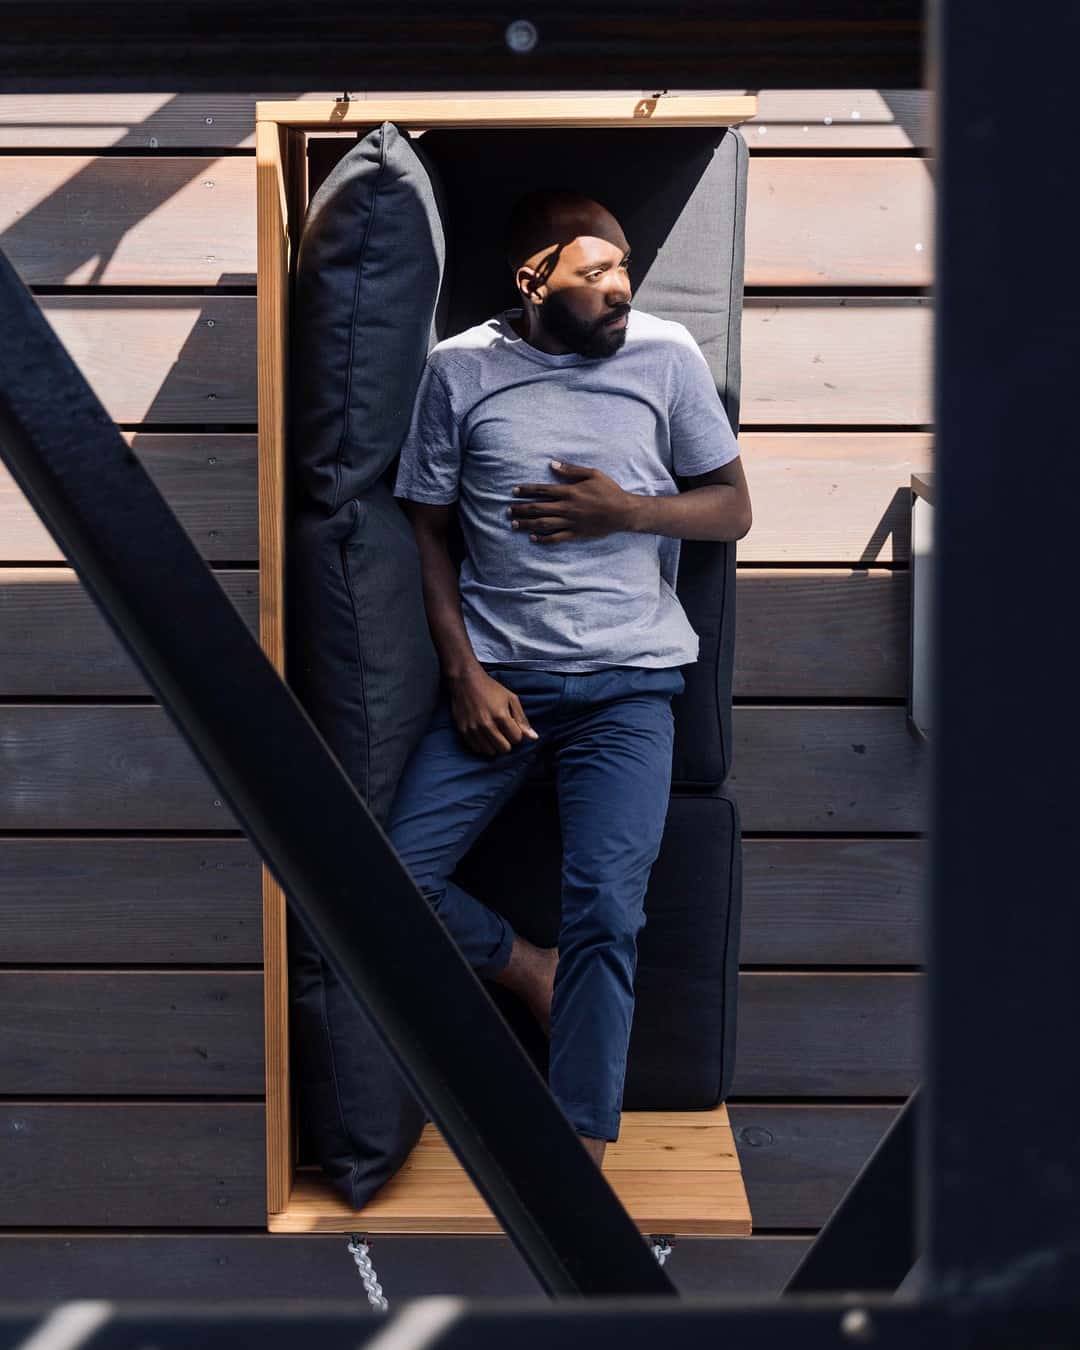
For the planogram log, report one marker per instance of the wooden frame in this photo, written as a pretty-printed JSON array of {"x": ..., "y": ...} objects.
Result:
[{"x": 281, "y": 185}]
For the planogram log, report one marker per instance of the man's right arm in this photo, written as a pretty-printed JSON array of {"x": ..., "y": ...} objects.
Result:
[{"x": 488, "y": 715}]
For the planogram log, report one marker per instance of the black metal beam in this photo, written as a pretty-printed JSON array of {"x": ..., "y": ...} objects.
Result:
[
  {"x": 344, "y": 880},
  {"x": 870, "y": 1240},
  {"x": 1002, "y": 1175},
  {"x": 55, "y": 46}
]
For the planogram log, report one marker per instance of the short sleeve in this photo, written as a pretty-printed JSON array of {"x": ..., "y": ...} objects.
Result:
[
  {"x": 700, "y": 433},
  {"x": 430, "y": 462}
]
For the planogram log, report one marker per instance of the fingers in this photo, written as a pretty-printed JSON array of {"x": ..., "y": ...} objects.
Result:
[
  {"x": 548, "y": 491},
  {"x": 575, "y": 471},
  {"x": 559, "y": 537},
  {"x": 518, "y": 714},
  {"x": 542, "y": 524}
]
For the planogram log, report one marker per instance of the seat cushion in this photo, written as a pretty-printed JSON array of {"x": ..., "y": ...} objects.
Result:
[
  {"x": 368, "y": 276},
  {"x": 682, "y": 1045},
  {"x": 680, "y": 195}
]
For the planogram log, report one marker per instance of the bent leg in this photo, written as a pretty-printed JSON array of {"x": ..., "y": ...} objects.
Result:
[
  {"x": 446, "y": 796},
  {"x": 614, "y": 779}
]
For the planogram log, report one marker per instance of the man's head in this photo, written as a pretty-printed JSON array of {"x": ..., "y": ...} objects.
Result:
[{"x": 569, "y": 256}]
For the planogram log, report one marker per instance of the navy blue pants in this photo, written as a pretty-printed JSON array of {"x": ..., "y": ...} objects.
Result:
[{"x": 609, "y": 734}]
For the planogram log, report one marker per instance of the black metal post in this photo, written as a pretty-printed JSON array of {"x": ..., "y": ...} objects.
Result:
[
  {"x": 1002, "y": 1175},
  {"x": 343, "y": 878}
]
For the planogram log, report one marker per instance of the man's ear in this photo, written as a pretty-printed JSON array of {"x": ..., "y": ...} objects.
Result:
[{"x": 528, "y": 283}]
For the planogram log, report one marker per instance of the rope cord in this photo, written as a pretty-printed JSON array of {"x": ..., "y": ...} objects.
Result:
[{"x": 361, "y": 1254}]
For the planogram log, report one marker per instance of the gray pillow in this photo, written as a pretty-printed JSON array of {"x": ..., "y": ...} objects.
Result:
[{"x": 371, "y": 257}]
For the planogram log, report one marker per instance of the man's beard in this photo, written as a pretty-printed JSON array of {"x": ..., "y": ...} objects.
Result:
[{"x": 587, "y": 339}]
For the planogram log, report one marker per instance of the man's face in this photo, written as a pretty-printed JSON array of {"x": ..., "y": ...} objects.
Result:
[{"x": 587, "y": 298}]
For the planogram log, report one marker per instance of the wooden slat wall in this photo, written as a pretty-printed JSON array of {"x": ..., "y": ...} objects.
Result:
[{"x": 130, "y": 921}]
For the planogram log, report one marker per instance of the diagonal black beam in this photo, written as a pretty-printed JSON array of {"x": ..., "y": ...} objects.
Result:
[
  {"x": 344, "y": 880},
  {"x": 870, "y": 1240},
  {"x": 54, "y": 46}
]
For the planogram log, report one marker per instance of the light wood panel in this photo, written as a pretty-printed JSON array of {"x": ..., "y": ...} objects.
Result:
[
  {"x": 190, "y": 221},
  {"x": 800, "y": 634},
  {"x": 796, "y": 769},
  {"x": 806, "y": 361},
  {"x": 854, "y": 902},
  {"x": 800, "y": 118},
  {"x": 104, "y": 1033},
  {"x": 698, "y": 1191},
  {"x": 815, "y": 221},
  {"x": 161, "y": 358},
  {"x": 838, "y": 496},
  {"x": 132, "y": 1164},
  {"x": 55, "y": 641},
  {"x": 177, "y": 220},
  {"x": 77, "y": 901},
  {"x": 836, "y": 360},
  {"x": 129, "y": 902},
  {"x": 209, "y": 481}
]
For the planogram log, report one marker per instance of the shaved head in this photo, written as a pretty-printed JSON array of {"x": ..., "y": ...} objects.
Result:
[{"x": 549, "y": 218}]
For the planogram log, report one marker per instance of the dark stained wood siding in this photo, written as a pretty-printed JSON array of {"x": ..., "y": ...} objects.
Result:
[{"x": 130, "y": 918}]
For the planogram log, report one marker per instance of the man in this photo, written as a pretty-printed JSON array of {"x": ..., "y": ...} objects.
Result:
[{"x": 557, "y": 429}]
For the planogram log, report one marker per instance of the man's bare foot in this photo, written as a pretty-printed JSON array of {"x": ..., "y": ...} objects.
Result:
[
  {"x": 530, "y": 973},
  {"x": 594, "y": 1148}
]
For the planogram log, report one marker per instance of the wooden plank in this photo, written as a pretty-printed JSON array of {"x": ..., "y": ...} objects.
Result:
[
  {"x": 100, "y": 768},
  {"x": 820, "y": 634},
  {"x": 836, "y": 360},
  {"x": 190, "y": 221},
  {"x": 799, "y": 1160},
  {"x": 281, "y": 169},
  {"x": 837, "y": 496},
  {"x": 796, "y": 770},
  {"x": 162, "y": 358},
  {"x": 208, "y": 479},
  {"x": 868, "y": 119},
  {"x": 815, "y": 221},
  {"x": 841, "y": 119},
  {"x": 83, "y": 901},
  {"x": 129, "y": 221},
  {"x": 55, "y": 640},
  {"x": 833, "y": 1035},
  {"x": 174, "y": 1266},
  {"x": 855, "y": 902},
  {"x": 129, "y": 902},
  {"x": 514, "y": 109},
  {"x": 826, "y": 360},
  {"x": 676, "y": 1172},
  {"x": 89, "y": 1033},
  {"x": 106, "y": 1165},
  {"x": 813, "y": 770},
  {"x": 800, "y": 633}
]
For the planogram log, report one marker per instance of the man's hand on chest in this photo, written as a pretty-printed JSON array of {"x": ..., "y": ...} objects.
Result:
[{"x": 588, "y": 505}]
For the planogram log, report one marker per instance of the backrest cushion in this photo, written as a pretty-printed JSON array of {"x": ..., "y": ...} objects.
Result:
[
  {"x": 372, "y": 251},
  {"x": 680, "y": 196}
]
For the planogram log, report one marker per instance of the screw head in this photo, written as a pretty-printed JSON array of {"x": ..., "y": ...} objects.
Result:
[{"x": 521, "y": 35}]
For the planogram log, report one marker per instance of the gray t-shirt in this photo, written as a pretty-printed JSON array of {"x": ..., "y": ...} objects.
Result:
[{"x": 491, "y": 412}]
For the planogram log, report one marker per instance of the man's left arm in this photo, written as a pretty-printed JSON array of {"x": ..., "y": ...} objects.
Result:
[{"x": 714, "y": 505}]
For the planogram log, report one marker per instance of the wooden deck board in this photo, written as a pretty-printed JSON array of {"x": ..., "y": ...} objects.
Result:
[{"x": 676, "y": 1172}]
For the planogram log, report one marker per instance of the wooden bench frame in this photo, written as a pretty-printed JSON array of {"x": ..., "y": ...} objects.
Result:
[{"x": 677, "y": 1172}]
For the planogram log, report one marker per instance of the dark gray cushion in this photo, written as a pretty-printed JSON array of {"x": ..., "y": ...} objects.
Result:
[
  {"x": 370, "y": 261},
  {"x": 360, "y": 655},
  {"x": 680, "y": 195},
  {"x": 682, "y": 1047}
]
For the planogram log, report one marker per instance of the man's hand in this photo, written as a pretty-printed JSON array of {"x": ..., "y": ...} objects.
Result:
[
  {"x": 588, "y": 506},
  {"x": 488, "y": 715}
]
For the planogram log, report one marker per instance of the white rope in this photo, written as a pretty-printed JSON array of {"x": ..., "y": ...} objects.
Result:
[
  {"x": 661, "y": 1247},
  {"x": 362, "y": 1256}
]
